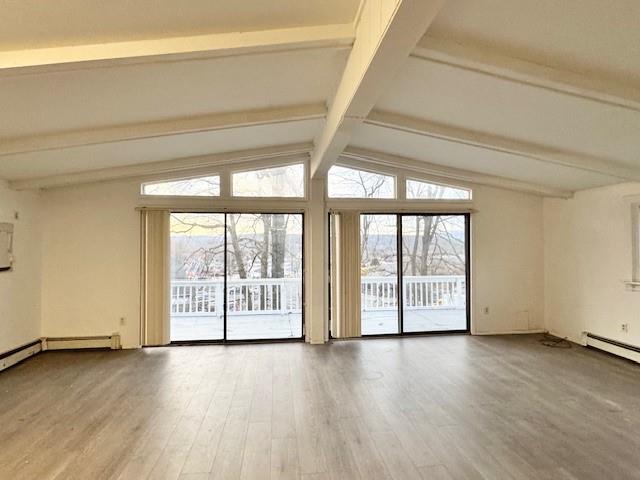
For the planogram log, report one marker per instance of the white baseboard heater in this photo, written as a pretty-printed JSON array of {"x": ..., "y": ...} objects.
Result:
[
  {"x": 625, "y": 350},
  {"x": 72, "y": 343},
  {"x": 10, "y": 358},
  {"x": 17, "y": 355}
]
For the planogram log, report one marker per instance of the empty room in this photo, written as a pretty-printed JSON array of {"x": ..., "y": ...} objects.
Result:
[{"x": 319, "y": 239}]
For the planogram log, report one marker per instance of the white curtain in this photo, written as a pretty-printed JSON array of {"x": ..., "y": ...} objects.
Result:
[
  {"x": 345, "y": 274},
  {"x": 155, "y": 277}
]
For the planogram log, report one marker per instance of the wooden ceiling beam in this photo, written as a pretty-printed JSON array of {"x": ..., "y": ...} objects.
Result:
[
  {"x": 180, "y": 166},
  {"x": 441, "y": 172},
  {"x": 386, "y": 33},
  {"x": 74, "y": 57},
  {"x": 488, "y": 141},
  {"x": 163, "y": 128},
  {"x": 491, "y": 63}
]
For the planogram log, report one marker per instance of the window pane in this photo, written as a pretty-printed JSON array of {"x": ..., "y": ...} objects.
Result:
[
  {"x": 286, "y": 181},
  {"x": 432, "y": 191},
  {"x": 264, "y": 283},
  {"x": 434, "y": 269},
  {"x": 379, "y": 274},
  {"x": 346, "y": 182},
  {"x": 191, "y": 187},
  {"x": 197, "y": 276}
]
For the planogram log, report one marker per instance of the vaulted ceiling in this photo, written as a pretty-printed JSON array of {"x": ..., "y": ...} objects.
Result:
[{"x": 542, "y": 96}]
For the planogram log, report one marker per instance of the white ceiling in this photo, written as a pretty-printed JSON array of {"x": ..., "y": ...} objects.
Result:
[
  {"x": 593, "y": 43},
  {"x": 445, "y": 153},
  {"x": 136, "y": 152},
  {"x": 591, "y": 36},
  {"x": 45, "y": 23},
  {"x": 77, "y": 99},
  {"x": 468, "y": 99}
]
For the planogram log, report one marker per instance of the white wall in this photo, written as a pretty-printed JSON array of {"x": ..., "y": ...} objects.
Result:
[
  {"x": 587, "y": 256},
  {"x": 507, "y": 256},
  {"x": 91, "y": 261},
  {"x": 20, "y": 288}
]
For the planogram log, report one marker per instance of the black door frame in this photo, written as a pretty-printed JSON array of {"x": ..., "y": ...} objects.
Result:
[
  {"x": 225, "y": 340},
  {"x": 400, "y": 274}
]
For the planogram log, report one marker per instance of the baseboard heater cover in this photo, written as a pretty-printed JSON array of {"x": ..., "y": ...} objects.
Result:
[
  {"x": 625, "y": 350},
  {"x": 511, "y": 332},
  {"x": 17, "y": 355},
  {"x": 73, "y": 343}
]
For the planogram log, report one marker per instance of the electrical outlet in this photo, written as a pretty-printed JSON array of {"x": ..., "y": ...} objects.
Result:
[{"x": 625, "y": 327}]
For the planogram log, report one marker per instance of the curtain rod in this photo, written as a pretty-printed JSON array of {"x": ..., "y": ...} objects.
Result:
[
  {"x": 391, "y": 210},
  {"x": 221, "y": 209}
]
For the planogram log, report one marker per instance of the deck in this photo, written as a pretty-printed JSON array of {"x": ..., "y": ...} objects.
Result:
[{"x": 275, "y": 326}]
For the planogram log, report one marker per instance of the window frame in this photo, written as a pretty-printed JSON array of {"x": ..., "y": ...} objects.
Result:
[
  {"x": 181, "y": 179},
  {"x": 408, "y": 178},
  {"x": 304, "y": 277},
  {"x": 224, "y": 170},
  {"x": 272, "y": 165},
  {"x": 401, "y": 174},
  {"x": 469, "y": 278},
  {"x": 634, "y": 284},
  {"x": 395, "y": 177}
]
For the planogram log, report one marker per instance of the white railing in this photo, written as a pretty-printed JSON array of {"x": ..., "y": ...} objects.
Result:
[
  {"x": 284, "y": 295},
  {"x": 255, "y": 296},
  {"x": 429, "y": 292}
]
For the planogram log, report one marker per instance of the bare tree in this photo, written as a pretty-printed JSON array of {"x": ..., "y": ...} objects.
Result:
[
  {"x": 253, "y": 239},
  {"x": 201, "y": 186},
  {"x": 198, "y": 262},
  {"x": 236, "y": 250},
  {"x": 432, "y": 248}
]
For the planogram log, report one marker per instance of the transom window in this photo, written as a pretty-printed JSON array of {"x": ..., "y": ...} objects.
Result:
[
  {"x": 420, "y": 190},
  {"x": 189, "y": 187},
  {"x": 288, "y": 181},
  {"x": 344, "y": 182},
  {"x": 285, "y": 181}
]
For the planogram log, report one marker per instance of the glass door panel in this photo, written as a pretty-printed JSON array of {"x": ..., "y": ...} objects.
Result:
[
  {"x": 379, "y": 274},
  {"x": 434, "y": 267},
  {"x": 197, "y": 276},
  {"x": 264, "y": 276}
]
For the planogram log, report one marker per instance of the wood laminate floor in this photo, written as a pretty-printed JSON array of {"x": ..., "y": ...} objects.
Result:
[{"x": 445, "y": 407}]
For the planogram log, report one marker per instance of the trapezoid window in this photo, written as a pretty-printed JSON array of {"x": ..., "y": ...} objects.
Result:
[
  {"x": 208, "y": 186},
  {"x": 344, "y": 182},
  {"x": 284, "y": 181},
  {"x": 420, "y": 190}
]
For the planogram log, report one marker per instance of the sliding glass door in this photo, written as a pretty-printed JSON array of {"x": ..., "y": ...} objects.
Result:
[
  {"x": 434, "y": 273},
  {"x": 264, "y": 276},
  {"x": 379, "y": 274},
  {"x": 236, "y": 276},
  {"x": 197, "y": 276},
  {"x": 426, "y": 289}
]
